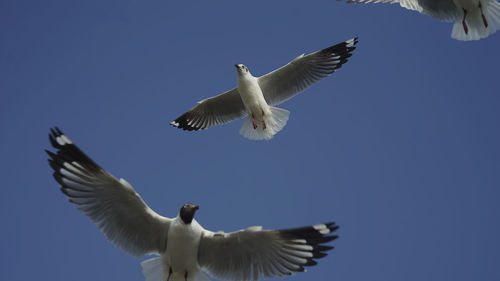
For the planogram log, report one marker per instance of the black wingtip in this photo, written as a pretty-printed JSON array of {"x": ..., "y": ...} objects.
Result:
[
  {"x": 50, "y": 153},
  {"x": 52, "y": 139},
  {"x": 183, "y": 122},
  {"x": 316, "y": 236},
  {"x": 311, "y": 262},
  {"x": 59, "y": 132},
  {"x": 55, "y": 132},
  {"x": 67, "y": 151},
  {"x": 341, "y": 52}
]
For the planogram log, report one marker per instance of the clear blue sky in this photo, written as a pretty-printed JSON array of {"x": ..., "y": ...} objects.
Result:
[{"x": 400, "y": 147}]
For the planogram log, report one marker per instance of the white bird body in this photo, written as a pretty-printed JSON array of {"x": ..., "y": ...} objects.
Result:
[
  {"x": 255, "y": 97},
  {"x": 261, "y": 123},
  {"x": 180, "y": 261},
  {"x": 183, "y": 246},
  {"x": 252, "y": 95},
  {"x": 473, "y": 19}
]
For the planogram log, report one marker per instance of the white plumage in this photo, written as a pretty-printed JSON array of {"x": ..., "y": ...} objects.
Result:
[
  {"x": 473, "y": 19},
  {"x": 184, "y": 247}
]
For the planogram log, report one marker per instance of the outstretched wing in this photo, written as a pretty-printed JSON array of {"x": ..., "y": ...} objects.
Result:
[
  {"x": 112, "y": 204},
  {"x": 254, "y": 253},
  {"x": 444, "y": 10},
  {"x": 217, "y": 110},
  {"x": 293, "y": 78},
  {"x": 408, "y": 4}
]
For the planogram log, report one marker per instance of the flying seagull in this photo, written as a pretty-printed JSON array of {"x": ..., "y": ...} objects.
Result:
[
  {"x": 474, "y": 19},
  {"x": 184, "y": 247},
  {"x": 255, "y": 97}
]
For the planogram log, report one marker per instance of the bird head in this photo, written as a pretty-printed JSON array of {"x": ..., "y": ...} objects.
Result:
[
  {"x": 187, "y": 212},
  {"x": 241, "y": 69}
]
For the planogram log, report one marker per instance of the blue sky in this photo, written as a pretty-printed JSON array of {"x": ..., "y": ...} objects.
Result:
[{"x": 399, "y": 147}]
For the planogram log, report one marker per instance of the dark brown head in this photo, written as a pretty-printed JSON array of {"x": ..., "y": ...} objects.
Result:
[{"x": 187, "y": 212}]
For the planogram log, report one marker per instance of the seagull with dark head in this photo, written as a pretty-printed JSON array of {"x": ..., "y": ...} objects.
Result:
[
  {"x": 255, "y": 97},
  {"x": 183, "y": 247}
]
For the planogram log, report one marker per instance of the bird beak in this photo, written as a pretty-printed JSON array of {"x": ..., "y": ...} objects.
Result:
[
  {"x": 196, "y": 208},
  {"x": 237, "y": 67}
]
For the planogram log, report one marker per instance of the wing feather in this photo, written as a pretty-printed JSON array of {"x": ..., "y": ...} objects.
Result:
[
  {"x": 283, "y": 83},
  {"x": 444, "y": 10},
  {"x": 254, "y": 253},
  {"x": 216, "y": 110},
  {"x": 113, "y": 205}
]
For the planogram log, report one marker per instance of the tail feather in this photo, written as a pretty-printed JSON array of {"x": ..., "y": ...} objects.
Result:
[
  {"x": 274, "y": 123},
  {"x": 476, "y": 28},
  {"x": 493, "y": 16},
  {"x": 154, "y": 269},
  {"x": 198, "y": 276}
]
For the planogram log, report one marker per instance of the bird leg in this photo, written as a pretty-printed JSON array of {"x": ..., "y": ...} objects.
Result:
[
  {"x": 169, "y": 273},
  {"x": 253, "y": 122},
  {"x": 485, "y": 22},
  {"x": 466, "y": 29},
  {"x": 263, "y": 121},
  {"x": 186, "y": 276}
]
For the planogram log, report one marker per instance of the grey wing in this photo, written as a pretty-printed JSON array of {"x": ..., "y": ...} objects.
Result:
[
  {"x": 293, "y": 78},
  {"x": 254, "y": 253},
  {"x": 440, "y": 9},
  {"x": 113, "y": 205},
  {"x": 213, "y": 111},
  {"x": 444, "y": 10},
  {"x": 408, "y": 4}
]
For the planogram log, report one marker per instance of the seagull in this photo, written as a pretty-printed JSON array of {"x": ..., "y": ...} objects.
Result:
[
  {"x": 182, "y": 246},
  {"x": 255, "y": 97},
  {"x": 474, "y": 19}
]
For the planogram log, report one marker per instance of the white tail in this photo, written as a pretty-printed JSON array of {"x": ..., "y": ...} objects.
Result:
[
  {"x": 155, "y": 269},
  {"x": 475, "y": 24},
  {"x": 274, "y": 123}
]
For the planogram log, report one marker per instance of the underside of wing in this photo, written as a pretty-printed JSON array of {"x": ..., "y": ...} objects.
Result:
[
  {"x": 254, "y": 253},
  {"x": 439, "y": 9},
  {"x": 408, "y": 4},
  {"x": 217, "y": 110},
  {"x": 113, "y": 205},
  {"x": 296, "y": 76},
  {"x": 444, "y": 10}
]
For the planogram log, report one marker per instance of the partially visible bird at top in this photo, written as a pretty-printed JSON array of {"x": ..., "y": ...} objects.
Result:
[
  {"x": 255, "y": 97},
  {"x": 474, "y": 19},
  {"x": 185, "y": 249}
]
